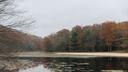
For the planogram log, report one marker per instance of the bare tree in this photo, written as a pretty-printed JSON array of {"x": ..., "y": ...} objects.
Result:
[{"x": 11, "y": 17}]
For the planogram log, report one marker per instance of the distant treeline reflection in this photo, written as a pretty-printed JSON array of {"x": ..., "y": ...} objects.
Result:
[{"x": 83, "y": 65}]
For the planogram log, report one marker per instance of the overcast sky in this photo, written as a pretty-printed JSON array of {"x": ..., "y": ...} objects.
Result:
[{"x": 54, "y": 15}]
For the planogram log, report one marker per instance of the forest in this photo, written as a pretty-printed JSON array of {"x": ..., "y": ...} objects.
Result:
[
  {"x": 105, "y": 37},
  {"x": 12, "y": 40}
]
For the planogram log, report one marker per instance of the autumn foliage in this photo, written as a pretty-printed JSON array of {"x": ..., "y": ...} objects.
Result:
[
  {"x": 108, "y": 36},
  {"x": 12, "y": 40}
]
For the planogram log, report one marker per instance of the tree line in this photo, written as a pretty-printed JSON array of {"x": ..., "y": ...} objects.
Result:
[
  {"x": 12, "y": 40},
  {"x": 107, "y": 36}
]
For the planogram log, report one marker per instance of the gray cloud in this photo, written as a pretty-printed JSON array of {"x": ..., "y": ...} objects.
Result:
[{"x": 54, "y": 15}]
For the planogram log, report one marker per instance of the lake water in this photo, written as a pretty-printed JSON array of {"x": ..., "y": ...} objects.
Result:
[
  {"x": 104, "y": 64},
  {"x": 39, "y": 68}
]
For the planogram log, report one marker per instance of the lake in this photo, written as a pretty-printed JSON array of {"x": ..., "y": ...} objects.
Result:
[{"x": 103, "y": 64}]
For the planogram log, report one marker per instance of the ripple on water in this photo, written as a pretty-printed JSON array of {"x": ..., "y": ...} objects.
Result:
[{"x": 39, "y": 68}]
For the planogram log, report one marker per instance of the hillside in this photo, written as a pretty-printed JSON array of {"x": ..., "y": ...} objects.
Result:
[
  {"x": 105, "y": 37},
  {"x": 12, "y": 40}
]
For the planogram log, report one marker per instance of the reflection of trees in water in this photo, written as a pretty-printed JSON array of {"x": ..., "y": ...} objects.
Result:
[
  {"x": 84, "y": 65},
  {"x": 15, "y": 64}
]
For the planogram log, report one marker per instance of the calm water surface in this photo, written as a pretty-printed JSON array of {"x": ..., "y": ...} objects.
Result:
[{"x": 78, "y": 65}]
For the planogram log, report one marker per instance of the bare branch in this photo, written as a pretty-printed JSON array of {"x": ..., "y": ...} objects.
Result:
[{"x": 10, "y": 17}]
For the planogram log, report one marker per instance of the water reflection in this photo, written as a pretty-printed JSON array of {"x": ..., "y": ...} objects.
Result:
[
  {"x": 84, "y": 65},
  {"x": 67, "y": 65},
  {"x": 39, "y": 68}
]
